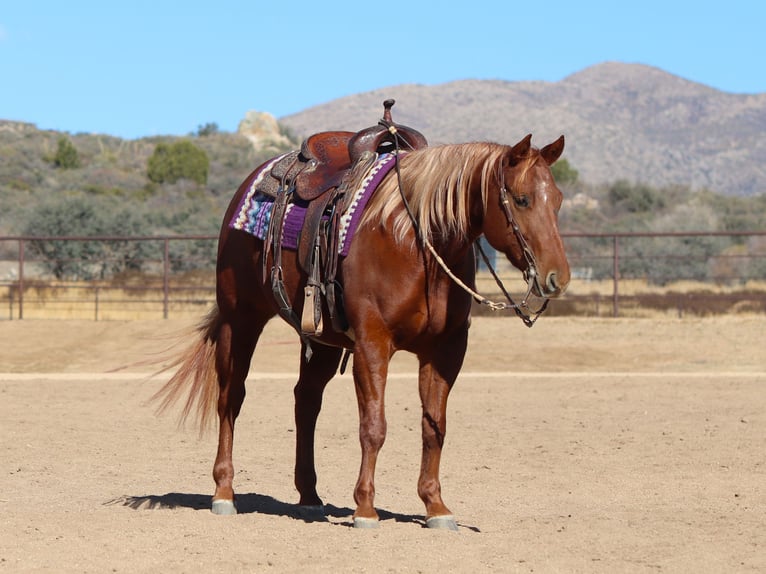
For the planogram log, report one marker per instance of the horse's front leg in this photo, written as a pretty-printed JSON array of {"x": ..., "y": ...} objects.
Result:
[
  {"x": 370, "y": 371},
  {"x": 438, "y": 372},
  {"x": 234, "y": 349},
  {"x": 314, "y": 376}
]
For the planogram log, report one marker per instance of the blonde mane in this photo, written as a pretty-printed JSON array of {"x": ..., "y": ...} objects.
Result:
[{"x": 436, "y": 181}]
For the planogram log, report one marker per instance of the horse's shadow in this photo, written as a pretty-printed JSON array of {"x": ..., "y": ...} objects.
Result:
[{"x": 254, "y": 503}]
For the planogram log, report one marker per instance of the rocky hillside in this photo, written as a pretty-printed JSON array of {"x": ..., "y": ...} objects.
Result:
[
  {"x": 622, "y": 121},
  {"x": 112, "y": 173}
]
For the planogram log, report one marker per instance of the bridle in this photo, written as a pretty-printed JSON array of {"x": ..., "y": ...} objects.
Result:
[{"x": 531, "y": 276}]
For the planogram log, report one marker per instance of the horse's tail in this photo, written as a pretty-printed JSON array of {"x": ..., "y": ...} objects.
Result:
[{"x": 195, "y": 376}]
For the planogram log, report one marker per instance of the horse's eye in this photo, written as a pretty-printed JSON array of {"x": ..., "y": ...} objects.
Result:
[{"x": 521, "y": 200}]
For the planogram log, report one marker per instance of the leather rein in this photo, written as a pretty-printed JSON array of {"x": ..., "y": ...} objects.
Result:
[{"x": 522, "y": 309}]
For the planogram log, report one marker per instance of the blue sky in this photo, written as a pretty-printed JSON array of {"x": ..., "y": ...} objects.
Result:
[{"x": 141, "y": 68}]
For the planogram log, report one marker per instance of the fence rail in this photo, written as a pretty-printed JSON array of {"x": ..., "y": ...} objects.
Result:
[
  {"x": 162, "y": 276},
  {"x": 712, "y": 259}
]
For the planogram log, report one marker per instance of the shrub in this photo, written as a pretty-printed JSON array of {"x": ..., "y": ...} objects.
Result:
[
  {"x": 564, "y": 173},
  {"x": 66, "y": 156},
  {"x": 180, "y": 160},
  {"x": 207, "y": 129},
  {"x": 635, "y": 198},
  {"x": 67, "y": 216}
]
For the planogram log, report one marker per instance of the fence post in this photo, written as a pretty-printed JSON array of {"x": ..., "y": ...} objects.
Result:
[
  {"x": 21, "y": 278},
  {"x": 166, "y": 279},
  {"x": 616, "y": 278}
]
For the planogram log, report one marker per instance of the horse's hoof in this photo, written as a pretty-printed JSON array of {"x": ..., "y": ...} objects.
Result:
[
  {"x": 446, "y": 522},
  {"x": 366, "y": 523},
  {"x": 223, "y": 507},
  {"x": 312, "y": 513}
]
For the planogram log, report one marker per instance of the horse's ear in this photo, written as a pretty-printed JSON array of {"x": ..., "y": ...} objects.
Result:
[
  {"x": 521, "y": 149},
  {"x": 553, "y": 151}
]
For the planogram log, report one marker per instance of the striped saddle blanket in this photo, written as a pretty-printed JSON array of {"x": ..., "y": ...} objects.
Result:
[{"x": 254, "y": 211}]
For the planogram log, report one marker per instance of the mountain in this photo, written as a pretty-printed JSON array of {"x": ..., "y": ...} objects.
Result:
[{"x": 621, "y": 121}]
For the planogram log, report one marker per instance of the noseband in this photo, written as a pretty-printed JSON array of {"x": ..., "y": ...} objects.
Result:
[{"x": 531, "y": 276}]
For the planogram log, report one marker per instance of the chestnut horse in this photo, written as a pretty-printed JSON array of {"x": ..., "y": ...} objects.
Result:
[{"x": 401, "y": 291}]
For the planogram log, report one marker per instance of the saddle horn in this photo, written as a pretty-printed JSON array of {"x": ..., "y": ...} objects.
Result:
[
  {"x": 387, "y": 105},
  {"x": 382, "y": 137}
]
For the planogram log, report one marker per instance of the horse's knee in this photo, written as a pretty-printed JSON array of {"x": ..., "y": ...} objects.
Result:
[
  {"x": 308, "y": 394},
  {"x": 372, "y": 436}
]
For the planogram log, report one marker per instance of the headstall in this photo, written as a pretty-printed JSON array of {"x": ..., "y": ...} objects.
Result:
[{"x": 531, "y": 276}]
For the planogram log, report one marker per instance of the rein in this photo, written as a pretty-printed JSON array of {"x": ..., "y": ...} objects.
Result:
[{"x": 528, "y": 315}]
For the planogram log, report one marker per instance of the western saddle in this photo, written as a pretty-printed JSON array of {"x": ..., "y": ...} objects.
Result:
[{"x": 317, "y": 175}]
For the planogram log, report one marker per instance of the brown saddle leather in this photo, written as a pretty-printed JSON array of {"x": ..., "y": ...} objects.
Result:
[
  {"x": 318, "y": 166},
  {"x": 383, "y": 137},
  {"x": 326, "y": 157},
  {"x": 327, "y": 160}
]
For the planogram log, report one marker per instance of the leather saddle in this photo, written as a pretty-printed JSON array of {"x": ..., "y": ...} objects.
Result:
[
  {"x": 315, "y": 175},
  {"x": 325, "y": 157}
]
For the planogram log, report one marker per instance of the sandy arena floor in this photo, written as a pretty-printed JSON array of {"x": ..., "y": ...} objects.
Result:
[{"x": 577, "y": 446}]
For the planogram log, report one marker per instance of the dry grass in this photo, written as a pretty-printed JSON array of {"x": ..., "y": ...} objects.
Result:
[
  {"x": 605, "y": 287},
  {"x": 639, "y": 298},
  {"x": 190, "y": 296}
]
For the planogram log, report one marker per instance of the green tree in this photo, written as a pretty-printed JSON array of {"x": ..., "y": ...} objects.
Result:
[
  {"x": 66, "y": 156},
  {"x": 635, "y": 198},
  {"x": 207, "y": 129},
  {"x": 200, "y": 217},
  {"x": 737, "y": 213},
  {"x": 81, "y": 216},
  {"x": 564, "y": 173},
  {"x": 179, "y": 160}
]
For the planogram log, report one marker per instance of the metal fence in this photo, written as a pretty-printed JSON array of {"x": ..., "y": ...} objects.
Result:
[
  {"x": 113, "y": 277},
  {"x": 106, "y": 277},
  {"x": 685, "y": 271}
]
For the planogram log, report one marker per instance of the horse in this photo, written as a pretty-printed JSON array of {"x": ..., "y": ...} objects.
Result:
[{"x": 407, "y": 284}]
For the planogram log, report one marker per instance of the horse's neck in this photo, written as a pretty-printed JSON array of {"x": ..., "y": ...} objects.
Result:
[{"x": 453, "y": 247}]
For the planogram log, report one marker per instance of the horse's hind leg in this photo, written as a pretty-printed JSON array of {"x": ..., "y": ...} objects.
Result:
[
  {"x": 235, "y": 346},
  {"x": 438, "y": 372},
  {"x": 370, "y": 372},
  {"x": 314, "y": 376}
]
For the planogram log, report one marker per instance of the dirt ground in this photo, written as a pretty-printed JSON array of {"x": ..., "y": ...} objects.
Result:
[{"x": 580, "y": 445}]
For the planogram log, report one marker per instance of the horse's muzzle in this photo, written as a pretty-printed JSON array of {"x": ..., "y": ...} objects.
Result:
[{"x": 553, "y": 287}]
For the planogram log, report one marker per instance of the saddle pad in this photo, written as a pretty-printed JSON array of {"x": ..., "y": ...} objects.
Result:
[{"x": 254, "y": 211}]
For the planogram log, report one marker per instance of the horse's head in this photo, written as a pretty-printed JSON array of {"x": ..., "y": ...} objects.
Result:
[{"x": 521, "y": 216}]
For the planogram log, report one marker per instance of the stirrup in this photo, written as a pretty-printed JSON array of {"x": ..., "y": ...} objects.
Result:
[
  {"x": 311, "y": 317},
  {"x": 311, "y": 301}
]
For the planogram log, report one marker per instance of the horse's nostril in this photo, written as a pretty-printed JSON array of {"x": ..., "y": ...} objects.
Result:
[{"x": 551, "y": 282}]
